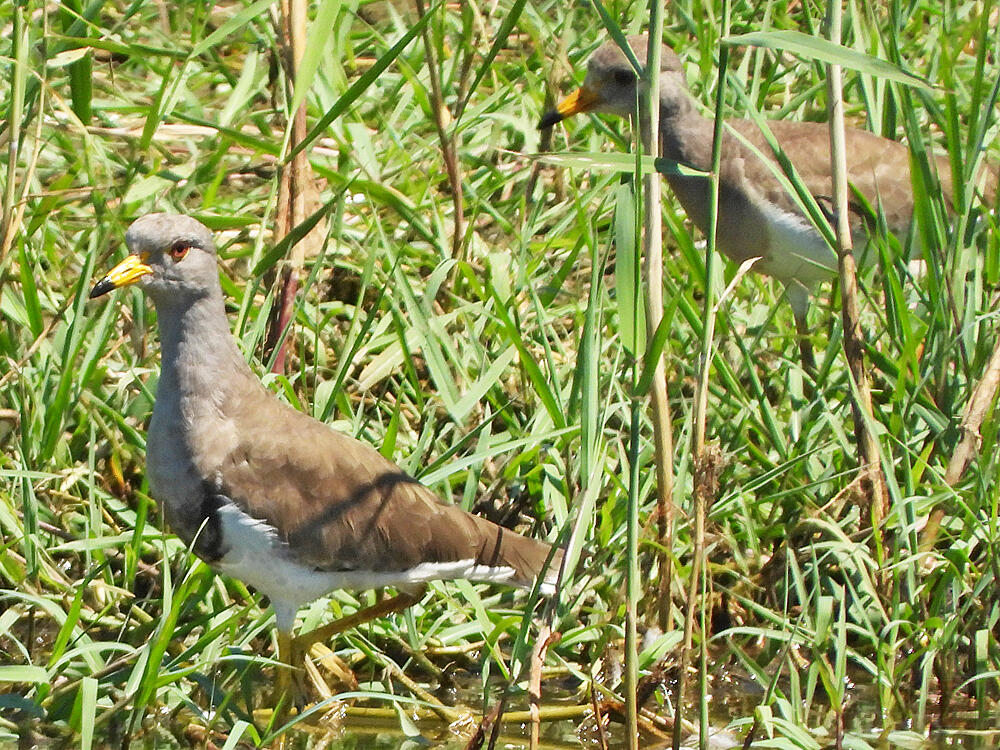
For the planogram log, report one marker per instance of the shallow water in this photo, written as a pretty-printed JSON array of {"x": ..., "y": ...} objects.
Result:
[{"x": 365, "y": 723}]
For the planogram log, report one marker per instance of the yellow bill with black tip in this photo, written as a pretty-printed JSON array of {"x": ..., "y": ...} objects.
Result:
[
  {"x": 582, "y": 100},
  {"x": 127, "y": 272}
]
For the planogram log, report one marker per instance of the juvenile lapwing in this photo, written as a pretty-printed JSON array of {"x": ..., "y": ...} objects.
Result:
[{"x": 758, "y": 218}]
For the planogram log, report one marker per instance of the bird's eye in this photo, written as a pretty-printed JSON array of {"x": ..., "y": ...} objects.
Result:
[
  {"x": 179, "y": 249},
  {"x": 624, "y": 77}
]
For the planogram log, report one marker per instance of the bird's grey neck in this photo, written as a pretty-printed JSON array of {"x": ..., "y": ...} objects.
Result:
[
  {"x": 679, "y": 106},
  {"x": 199, "y": 354},
  {"x": 686, "y": 134}
]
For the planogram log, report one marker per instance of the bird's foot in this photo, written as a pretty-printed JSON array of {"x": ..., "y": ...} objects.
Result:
[{"x": 314, "y": 676}]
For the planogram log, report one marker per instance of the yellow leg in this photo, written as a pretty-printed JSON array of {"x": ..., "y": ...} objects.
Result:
[
  {"x": 304, "y": 642},
  {"x": 284, "y": 692},
  {"x": 805, "y": 346},
  {"x": 798, "y": 296}
]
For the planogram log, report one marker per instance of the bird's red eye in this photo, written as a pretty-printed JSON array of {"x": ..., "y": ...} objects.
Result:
[{"x": 178, "y": 250}]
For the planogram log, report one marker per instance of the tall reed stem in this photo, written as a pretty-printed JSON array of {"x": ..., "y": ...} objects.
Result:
[{"x": 861, "y": 403}]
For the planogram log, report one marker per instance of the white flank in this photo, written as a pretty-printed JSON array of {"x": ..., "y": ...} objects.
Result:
[
  {"x": 257, "y": 557},
  {"x": 797, "y": 251}
]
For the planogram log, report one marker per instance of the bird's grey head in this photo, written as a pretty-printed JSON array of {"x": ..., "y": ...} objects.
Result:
[
  {"x": 612, "y": 87},
  {"x": 171, "y": 256}
]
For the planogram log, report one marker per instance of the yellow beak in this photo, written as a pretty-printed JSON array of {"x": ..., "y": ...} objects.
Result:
[
  {"x": 127, "y": 272},
  {"x": 582, "y": 100}
]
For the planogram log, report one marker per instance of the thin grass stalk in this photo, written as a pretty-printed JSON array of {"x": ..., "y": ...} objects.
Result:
[
  {"x": 632, "y": 576},
  {"x": 296, "y": 180},
  {"x": 702, "y": 463},
  {"x": 663, "y": 439},
  {"x": 704, "y": 730},
  {"x": 861, "y": 403},
  {"x": 449, "y": 154},
  {"x": 708, "y": 310},
  {"x": 629, "y": 242},
  {"x": 653, "y": 260},
  {"x": 15, "y": 111}
]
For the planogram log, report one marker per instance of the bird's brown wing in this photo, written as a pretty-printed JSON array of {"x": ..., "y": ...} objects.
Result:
[
  {"x": 878, "y": 168},
  {"x": 341, "y": 505}
]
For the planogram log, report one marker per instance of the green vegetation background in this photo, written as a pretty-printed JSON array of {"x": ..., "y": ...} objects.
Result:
[{"x": 499, "y": 379}]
